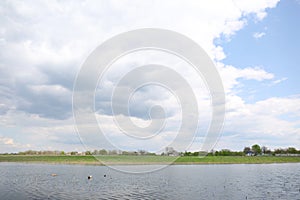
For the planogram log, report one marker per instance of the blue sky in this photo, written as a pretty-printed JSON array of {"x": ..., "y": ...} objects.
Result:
[
  {"x": 276, "y": 51},
  {"x": 254, "y": 45}
]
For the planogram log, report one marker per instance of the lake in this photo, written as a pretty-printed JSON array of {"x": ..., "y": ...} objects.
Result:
[{"x": 232, "y": 181}]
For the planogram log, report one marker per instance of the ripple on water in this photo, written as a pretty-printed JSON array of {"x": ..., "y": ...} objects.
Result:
[{"x": 34, "y": 181}]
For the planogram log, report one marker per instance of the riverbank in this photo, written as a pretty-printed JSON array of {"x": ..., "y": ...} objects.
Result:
[{"x": 146, "y": 160}]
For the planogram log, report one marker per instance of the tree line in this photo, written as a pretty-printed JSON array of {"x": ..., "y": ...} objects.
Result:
[
  {"x": 254, "y": 150},
  {"x": 71, "y": 153}
]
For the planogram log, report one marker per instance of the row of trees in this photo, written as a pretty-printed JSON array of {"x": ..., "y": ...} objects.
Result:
[
  {"x": 169, "y": 151},
  {"x": 117, "y": 152},
  {"x": 33, "y": 152},
  {"x": 257, "y": 150},
  {"x": 95, "y": 152},
  {"x": 254, "y": 150}
]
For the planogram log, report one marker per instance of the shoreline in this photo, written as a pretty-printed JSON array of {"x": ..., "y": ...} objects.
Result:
[
  {"x": 144, "y": 160},
  {"x": 141, "y": 164}
]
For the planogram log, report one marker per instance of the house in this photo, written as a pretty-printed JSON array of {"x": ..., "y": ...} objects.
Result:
[
  {"x": 250, "y": 153},
  {"x": 170, "y": 151}
]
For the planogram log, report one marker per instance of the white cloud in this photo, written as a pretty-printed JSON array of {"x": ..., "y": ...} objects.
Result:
[
  {"x": 7, "y": 141},
  {"x": 44, "y": 43},
  {"x": 255, "y": 6},
  {"x": 21, "y": 131},
  {"x": 273, "y": 120},
  {"x": 7, "y": 144},
  {"x": 54, "y": 90},
  {"x": 279, "y": 80},
  {"x": 231, "y": 76},
  {"x": 258, "y": 35},
  {"x": 65, "y": 32}
]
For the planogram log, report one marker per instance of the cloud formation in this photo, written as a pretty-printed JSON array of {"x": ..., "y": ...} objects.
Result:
[
  {"x": 258, "y": 35},
  {"x": 43, "y": 45}
]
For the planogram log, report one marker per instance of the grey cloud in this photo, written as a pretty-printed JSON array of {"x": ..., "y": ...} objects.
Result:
[
  {"x": 142, "y": 100},
  {"x": 64, "y": 74},
  {"x": 47, "y": 93},
  {"x": 44, "y": 103}
]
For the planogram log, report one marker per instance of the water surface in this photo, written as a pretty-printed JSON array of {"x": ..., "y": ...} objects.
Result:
[{"x": 234, "y": 181}]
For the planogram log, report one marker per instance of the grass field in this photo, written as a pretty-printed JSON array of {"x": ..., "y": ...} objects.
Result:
[{"x": 122, "y": 159}]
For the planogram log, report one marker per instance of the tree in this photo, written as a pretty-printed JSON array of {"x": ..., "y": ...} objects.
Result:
[
  {"x": 268, "y": 151},
  {"x": 196, "y": 153},
  {"x": 256, "y": 149},
  {"x": 95, "y": 152},
  {"x": 187, "y": 153},
  {"x": 225, "y": 152},
  {"x": 264, "y": 149},
  {"x": 142, "y": 152},
  {"x": 292, "y": 150},
  {"x": 102, "y": 152},
  {"x": 112, "y": 152},
  {"x": 216, "y": 153},
  {"x": 246, "y": 150},
  {"x": 279, "y": 151}
]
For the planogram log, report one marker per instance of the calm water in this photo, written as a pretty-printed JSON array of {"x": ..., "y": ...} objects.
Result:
[{"x": 264, "y": 181}]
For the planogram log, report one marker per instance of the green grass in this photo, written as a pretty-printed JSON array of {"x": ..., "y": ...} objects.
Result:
[
  {"x": 238, "y": 159},
  {"x": 45, "y": 158},
  {"x": 122, "y": 159}
]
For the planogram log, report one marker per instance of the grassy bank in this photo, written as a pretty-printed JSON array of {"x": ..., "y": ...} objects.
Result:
[
  {"x": 238, "y": 159},
  {"x": 122, "y": 159}
]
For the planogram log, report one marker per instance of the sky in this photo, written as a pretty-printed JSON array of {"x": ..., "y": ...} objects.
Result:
[{"x": 253, "y": 44}]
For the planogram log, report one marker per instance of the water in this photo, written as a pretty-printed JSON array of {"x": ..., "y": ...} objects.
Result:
[{"x": 261, "y": 181}]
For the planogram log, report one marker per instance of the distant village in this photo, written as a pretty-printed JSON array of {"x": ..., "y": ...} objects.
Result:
[{"x": 254, "y": 150}]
